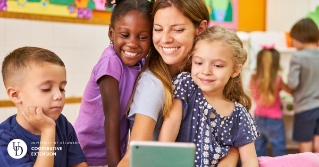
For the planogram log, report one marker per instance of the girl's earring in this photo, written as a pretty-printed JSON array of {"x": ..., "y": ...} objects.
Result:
[{"x": 111, "y": 42}]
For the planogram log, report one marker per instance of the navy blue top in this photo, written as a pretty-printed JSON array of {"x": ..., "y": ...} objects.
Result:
[
  {"x": 212, "y": 137},
  {"x": 65, "y": 138}
]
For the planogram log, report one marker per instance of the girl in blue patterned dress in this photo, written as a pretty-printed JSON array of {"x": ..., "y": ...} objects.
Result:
[{"x": 210, "y": 107}]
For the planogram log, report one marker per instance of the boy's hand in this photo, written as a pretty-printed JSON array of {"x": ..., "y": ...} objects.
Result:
[
  {"x": 46, "y": 125},
  {"x": 36, "y": 117}
]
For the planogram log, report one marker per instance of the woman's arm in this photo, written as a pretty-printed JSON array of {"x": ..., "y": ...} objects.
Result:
[
  {"x": 147, "y": 104},
  {"x": 172, "y": 123},
  {"x": 109, "y": 88},
  {"x": 248, "y": 156},
  {"x": 284, "y": 87},
  {"x": 143, "y": 129},
  {"x": 231, "y": 159}
]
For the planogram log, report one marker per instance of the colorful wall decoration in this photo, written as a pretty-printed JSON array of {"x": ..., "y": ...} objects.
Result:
[
  {"x": 223, "y": 13},
  {"x": 314, "y": 16},
  {"x": 64, "y": 8}
]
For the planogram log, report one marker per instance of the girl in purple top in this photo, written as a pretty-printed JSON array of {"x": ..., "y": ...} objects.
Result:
[{"x": 102, "y": 126}]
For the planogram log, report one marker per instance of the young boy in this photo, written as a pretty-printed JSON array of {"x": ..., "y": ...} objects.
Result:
[
  {"x": 303, "y": 80},
  {"x": 38, "y": 135}
]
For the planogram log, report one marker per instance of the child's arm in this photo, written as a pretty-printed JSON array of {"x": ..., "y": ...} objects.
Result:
[
  {"x": 109, "y": 88},
  {"x": 172, "y": 123},
  {"x": 284, "y": 87},
  {"x": 35, "y": 117},
  {"x": 248, "y": 156},
  {"x": 294, "y": 73},
  {"x": 82, "y": 164},
  {"x": 231, "y": 159}
]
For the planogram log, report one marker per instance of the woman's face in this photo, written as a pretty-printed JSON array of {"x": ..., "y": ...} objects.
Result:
[{"x": 173, "y": 35}]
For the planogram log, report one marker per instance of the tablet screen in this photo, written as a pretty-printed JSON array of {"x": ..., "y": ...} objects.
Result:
[{"x": 162, "y": 154}]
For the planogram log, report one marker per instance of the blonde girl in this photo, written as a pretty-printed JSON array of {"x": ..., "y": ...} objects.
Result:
[
  {"x": 265, "y": 86},
  {"x": 210, "y": 107}
]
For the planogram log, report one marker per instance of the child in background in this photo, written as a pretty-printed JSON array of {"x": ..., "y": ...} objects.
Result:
[
  {"x": 303, "y": 80},
  {"x": 35, "y": 79},
  {"x": 102, "y": 125},
  {"x": 265, "y": 86},
  {"x": 210, "y": 107}
]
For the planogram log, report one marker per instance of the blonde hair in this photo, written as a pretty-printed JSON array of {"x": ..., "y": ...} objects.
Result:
[
  {"x": 196, "y": 11},
  {"x": 266, "y": 75},
  {"x": 234, "y": 87}
]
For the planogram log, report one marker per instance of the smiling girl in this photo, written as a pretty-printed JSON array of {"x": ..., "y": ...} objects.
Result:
[
  {"x": 102, "y": 126},
  {"x": 210, "y": 107}
]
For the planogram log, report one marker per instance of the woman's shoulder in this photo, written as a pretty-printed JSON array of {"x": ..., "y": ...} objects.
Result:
[
  {"x": 149, "y": 96},
  {"x": 148, "y": 76},
  {"x": 148, "y": 73},
  {"x": 148, "y": 82}
]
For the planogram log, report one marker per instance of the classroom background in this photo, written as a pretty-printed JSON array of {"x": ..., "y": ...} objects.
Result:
[{"x": 77, "y": 31}]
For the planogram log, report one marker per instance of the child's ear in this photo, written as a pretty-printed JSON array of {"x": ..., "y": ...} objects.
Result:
[
  {"x": 237, "y": 70},
  {"x": 111, "y": 34},
  {"x": 13, "y": 94}
]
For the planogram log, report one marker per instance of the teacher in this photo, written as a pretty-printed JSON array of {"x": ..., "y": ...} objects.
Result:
[{"x": 176, "y": 24}]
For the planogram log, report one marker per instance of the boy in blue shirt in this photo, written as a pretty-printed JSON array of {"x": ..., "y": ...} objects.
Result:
[{"x": 38, "y": 135}]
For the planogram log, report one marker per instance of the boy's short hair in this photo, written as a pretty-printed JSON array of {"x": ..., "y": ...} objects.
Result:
[
  {"x": 16, "y": 62},
  {"x": 305, "y": 31}
]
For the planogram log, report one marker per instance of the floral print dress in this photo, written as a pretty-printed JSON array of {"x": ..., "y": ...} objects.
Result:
[{"x": 213, "y": 137}]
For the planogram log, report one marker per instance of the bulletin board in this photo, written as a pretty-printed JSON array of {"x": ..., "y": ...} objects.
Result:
[
  {"x": 62, "y": 8},
  {"x": 223, "y": 13}
]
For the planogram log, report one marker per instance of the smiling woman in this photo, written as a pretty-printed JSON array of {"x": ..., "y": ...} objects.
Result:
[
  {"x": 173, "y": 39},
  {"x": 176, "y": 24}
]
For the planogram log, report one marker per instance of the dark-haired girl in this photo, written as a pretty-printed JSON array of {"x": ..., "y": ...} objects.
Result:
[{"x": 102, "y": 126}]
